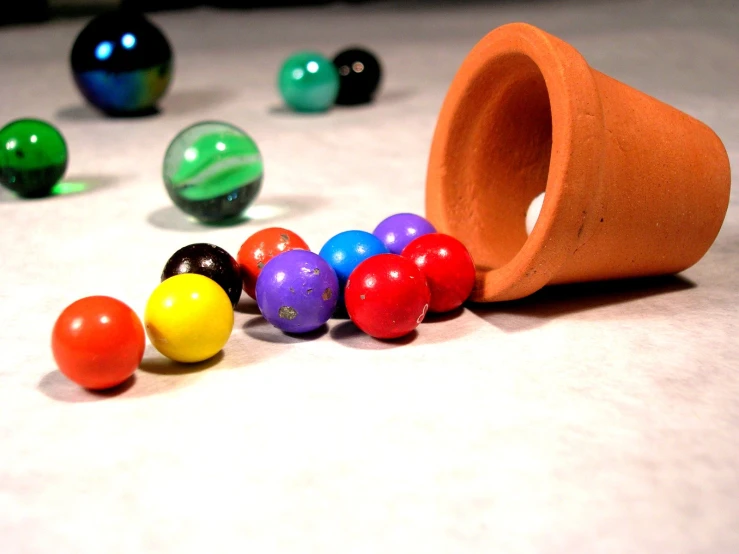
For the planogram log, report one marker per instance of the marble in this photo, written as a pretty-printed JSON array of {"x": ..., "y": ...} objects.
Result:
[
  {"x": 33, "y": 157},
  {"x": 308, "y": 82},
  {"x": 122, "y": 63},
  {"x": 360, "y": 74},
  {"x": 213, "y": 171}
]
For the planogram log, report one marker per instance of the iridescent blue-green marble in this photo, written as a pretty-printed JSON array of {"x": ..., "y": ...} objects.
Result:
[{"x": 122, "y": 63}]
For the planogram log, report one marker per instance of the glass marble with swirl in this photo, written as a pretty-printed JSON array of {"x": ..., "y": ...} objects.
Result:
[{"x": 213, "y": 171}]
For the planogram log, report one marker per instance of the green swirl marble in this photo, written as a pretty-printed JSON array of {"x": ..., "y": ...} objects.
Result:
[{"x": 213, "y": 171}]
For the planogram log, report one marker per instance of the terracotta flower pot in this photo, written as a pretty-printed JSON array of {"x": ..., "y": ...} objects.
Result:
[{"x": 633, "y": 186}]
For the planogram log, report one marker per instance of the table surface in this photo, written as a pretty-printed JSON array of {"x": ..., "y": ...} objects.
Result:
[{"x": 594, "y": 419}]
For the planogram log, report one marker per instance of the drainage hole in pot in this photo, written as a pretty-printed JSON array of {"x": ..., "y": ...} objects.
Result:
[{"x": 532, "y": 214}]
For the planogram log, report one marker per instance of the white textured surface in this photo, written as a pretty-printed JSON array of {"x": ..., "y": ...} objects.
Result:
[{"x": 602, "y": 420}]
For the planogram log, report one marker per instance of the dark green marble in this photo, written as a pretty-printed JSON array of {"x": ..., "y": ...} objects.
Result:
[{"x": 33, "y": 157}]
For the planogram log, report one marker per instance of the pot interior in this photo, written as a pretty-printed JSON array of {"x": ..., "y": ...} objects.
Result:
[{"x": 499, "y": 157}]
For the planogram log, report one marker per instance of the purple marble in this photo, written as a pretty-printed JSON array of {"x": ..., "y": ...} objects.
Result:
[
  {"x": 398, "y": 230},
  {"x": 297, "y": 291}
]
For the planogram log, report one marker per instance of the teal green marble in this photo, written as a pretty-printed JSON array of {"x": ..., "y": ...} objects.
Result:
[
  {"x": 308, "y": 82},
  {"x": 213, "y": 171}
]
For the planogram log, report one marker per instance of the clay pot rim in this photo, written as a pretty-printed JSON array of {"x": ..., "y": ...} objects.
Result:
[{"x": 574, "y": 181}]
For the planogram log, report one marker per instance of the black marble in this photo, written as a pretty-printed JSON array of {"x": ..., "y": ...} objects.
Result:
[
  {"x": 360, "y": 74},
  {"x": 210, "y": 261}
]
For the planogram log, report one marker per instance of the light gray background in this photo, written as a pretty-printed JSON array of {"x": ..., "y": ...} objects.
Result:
[{"x": 598, "y": 420}]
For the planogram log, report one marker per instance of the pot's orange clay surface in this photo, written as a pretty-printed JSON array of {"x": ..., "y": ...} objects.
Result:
[{"x": 633, "y": 186}]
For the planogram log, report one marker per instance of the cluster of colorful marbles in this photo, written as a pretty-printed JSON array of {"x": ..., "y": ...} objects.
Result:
[
  {"x": 386, "y": 281},
  {"x": 310, "y": 82},
  {"x": 98, "y": 341}
]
